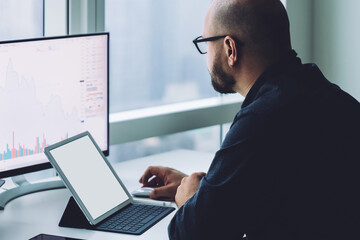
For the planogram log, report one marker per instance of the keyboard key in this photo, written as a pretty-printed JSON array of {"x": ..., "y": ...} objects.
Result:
[
  {"x": 147, "y": 219},
  {"x": 133, "y": 218},
  {"x": 126, "y": 228}
]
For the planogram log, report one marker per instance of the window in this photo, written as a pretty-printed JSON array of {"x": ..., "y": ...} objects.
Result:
[
  {"x": 153, "y": 60},
  {"x": 21, "y": 19},
  {"x": 203, "y": 139}
]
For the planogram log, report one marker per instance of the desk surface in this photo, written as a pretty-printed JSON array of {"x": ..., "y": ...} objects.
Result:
[{"x": 29, "y": 215}]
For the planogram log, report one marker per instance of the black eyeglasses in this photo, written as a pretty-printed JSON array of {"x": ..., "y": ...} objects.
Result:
[{"x": 201, "y": 43}]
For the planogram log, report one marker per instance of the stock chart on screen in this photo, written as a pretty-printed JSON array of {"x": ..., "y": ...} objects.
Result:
[{"x": 50, "y": 90}]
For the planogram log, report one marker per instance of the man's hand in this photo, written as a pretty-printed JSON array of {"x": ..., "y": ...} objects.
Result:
[
  {"x": 189, "y": 186},
  {"x": 165, "y": 181}
]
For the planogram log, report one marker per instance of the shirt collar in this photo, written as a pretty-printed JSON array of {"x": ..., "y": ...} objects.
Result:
[{"x": 286, "y": 62}]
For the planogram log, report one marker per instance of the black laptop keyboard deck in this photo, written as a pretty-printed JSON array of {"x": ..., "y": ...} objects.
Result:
[{"x": 135, "y": 219}]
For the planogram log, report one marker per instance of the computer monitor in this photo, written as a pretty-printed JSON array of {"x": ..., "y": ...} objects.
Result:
[{"x": 51, "y": 89}]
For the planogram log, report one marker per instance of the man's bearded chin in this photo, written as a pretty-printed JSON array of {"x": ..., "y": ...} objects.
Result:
[{"x": 221, "y": 82}]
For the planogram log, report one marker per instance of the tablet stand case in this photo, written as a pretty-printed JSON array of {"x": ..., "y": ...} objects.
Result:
[{"x": 73, "y": 217}]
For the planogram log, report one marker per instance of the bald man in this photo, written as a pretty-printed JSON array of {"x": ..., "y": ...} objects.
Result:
[{"x": 289, "y": 167}]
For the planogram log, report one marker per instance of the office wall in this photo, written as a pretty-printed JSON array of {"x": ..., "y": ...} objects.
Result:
[
  {"x": 326, "y": 32},
  {"x": 301, "y": 17},
  {"x": 336, "y": 42}
]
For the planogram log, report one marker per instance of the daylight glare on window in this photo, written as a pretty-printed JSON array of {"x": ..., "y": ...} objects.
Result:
[
  {"x": 152, "y": 58},
  {"x": 21, "y": 19}
]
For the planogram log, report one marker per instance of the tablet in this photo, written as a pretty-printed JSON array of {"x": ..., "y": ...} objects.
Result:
[
  {"x": 89, "y": 176},
  {"x": 52, "y": 237}
]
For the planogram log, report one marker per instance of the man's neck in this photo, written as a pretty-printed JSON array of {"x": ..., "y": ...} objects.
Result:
[{"x": 247, "y": 78}]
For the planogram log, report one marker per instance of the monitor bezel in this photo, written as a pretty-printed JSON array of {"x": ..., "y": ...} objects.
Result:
[{"x": 47, "y": 165}]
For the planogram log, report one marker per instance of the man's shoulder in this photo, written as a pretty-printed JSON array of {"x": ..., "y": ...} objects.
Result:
[
  {"x": 299, "y": 97},
  {"x": 247, "y": 124}
]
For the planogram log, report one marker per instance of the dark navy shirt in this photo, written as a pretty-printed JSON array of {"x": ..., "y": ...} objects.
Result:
[{"x": 289, "y": 167}]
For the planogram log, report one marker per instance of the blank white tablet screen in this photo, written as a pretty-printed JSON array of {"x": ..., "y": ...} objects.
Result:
[{"x": 90, "y": 176}]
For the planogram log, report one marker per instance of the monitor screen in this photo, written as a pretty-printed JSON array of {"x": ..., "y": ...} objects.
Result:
[{"x": 51, "y": 89}]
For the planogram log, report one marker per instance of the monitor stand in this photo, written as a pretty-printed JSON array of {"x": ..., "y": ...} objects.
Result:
[{"x": 23, "y": 187}]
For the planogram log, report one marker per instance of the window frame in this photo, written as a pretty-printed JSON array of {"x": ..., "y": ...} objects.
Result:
[
  {"x": 63, "y": 17},
  {"x": 172, "y": 118}
]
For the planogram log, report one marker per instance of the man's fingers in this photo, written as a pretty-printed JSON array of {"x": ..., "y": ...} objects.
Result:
[
  {"x": 149, "y": 172},
  {"x": 196, "y": 176},
  {"x": 167, "y": 191},
  {"x": 202, "y": 174},
  {"x": 164, "y": 180},
  {"x": 154, "y": 182},
  {"x": 199, "y": 174},
  {"x": 184, "y": 179}
]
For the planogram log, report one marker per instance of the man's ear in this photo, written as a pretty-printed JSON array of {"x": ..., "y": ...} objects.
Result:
[{"x": 231, "y": 50}]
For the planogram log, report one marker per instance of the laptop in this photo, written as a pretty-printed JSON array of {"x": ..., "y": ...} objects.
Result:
[{"x": 97, "y": 189}]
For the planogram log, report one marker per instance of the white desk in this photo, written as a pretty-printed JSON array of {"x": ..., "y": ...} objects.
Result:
[{"x": 27, "y": 216}]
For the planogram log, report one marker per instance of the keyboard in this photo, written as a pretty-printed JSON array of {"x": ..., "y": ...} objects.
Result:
[{"x": 134, "y": 219}]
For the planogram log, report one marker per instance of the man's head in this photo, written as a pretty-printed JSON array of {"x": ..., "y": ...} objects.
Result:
[{"x": 257, "y": 34}]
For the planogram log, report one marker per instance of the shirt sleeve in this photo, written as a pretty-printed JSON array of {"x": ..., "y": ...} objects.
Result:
[{"x": 237, "y": 193}]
